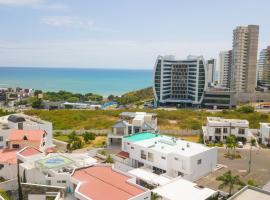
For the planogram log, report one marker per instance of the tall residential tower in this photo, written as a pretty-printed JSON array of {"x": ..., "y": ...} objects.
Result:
[
  {"x": 225, "y": 63},
  {"x": 244, "y": 59},
  {"x": 264, "y": 67}
]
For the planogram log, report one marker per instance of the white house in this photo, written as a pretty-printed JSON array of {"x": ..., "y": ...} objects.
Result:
[
  {"x": 265, "y": 133},
  {"x": 130, "y": 123},
  {"x": 52, "y": 169},
  {"x": 184, "y": 190},
  {"x": 218, "y": 129},
  {"x": 169, "y": 156}
]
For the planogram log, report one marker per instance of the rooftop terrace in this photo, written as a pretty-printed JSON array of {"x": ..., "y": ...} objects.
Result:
[{"x": 141, "y": 136}]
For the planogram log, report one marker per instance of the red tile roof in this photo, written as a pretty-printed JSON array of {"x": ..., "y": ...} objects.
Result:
[
  {"x": 31, "y": 135},
  {"x": 123, "y": 154},
  {"x": 101, "y": 182},
  {"x": 8, "y": 156},
  {"x": 29, "y": 151}
]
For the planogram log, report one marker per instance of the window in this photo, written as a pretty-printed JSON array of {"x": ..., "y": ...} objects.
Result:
[
  {"x": 218, "y": 130},
  {"x": 176, "y": 159},
  {"x": 163, "y": 157},
  {"x": 241, "y": 131},
  {"x": 1, "y": 138},
  {"x": 20, "y": 126},
  {"x": 150, "y": 157},
  {"x": 15, "y": 146},
  {"x": 143, "y": 155},
  {"x": 225, "y": 130},
  {"x": 199, "y": 161},
  {"x": 132, "y": 147}
]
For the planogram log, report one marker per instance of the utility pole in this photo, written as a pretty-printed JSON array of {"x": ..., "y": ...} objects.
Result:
[{"x": 249, "y": 162}]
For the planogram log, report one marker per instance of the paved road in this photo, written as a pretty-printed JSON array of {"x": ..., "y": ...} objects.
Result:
[{"x": 260, "y": 168}]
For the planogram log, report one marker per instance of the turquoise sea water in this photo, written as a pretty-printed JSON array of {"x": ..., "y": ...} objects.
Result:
[{"x": 101, "y": 81}]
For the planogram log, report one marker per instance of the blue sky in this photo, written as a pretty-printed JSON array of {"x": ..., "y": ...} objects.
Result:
[{"x": 121, "y": 33}]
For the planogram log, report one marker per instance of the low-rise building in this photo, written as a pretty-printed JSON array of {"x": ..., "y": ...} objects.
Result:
[
  {"x": 184, "y": 190},
  {"x": 169, "y": 156},
  {"x": 218, "y": 129},
  {"x": 130, "y": 123},
  {"x": 53, "y": 169},
  {"x": 251, "y": 193},
  {"x": 101, "y": 182},
  {"x": 264, "y": 135},
  {"x": 10, "y": 123}
]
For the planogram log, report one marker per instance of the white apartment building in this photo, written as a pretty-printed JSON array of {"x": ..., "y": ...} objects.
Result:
[
  {"x": 218, "y": 129},
  {"x": 225, "y": 68},
  {"x": 23, "y": 122},
  {"x": 169, "y": 156},
  {"x": 265, "y": 133},
  {"x": 130, "y": 123},
  {"x": 210, "y": 70}
]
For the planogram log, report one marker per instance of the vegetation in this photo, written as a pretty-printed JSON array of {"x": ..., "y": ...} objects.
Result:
[
  {"x": 74, "y": 142},
  {"x": 251, "y": 182},
  {"x": 88, "y": 136},
  {"x": 137, "y": 97},
  {"x": 230, "y": 181},
  {"x": 109, "y": 159},
  {"x": 155, "y": 196},
  {"x": 104, "y": 119},
  {"x": 5, "y": 195},
  {"x": 3, "y": 113}
]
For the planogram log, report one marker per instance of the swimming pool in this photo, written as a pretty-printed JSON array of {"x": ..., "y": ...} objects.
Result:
[{"x": 54, "y": 162}]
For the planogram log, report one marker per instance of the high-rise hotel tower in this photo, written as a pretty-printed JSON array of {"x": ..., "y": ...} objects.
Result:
[{"x": 179, "y": 81}]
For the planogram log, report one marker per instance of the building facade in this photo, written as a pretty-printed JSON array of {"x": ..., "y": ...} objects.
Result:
[
  {"x": 244, "y": 59},
  {"x": 169, "y": 156},
  {"x": 179, "y": 82},
  {"x": 264, "y": 135},
  {"x": 218, "y": 129},
  {"x": 264, "y": 68},
  {"x": 225, "y": 62},
  {"x": 210, "y": 70},
  {"x": 130, "y": 123}
]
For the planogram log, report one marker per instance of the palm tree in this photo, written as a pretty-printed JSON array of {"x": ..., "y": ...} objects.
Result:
[
  {"x": 228, "y": 180},
  {"x": 252, "y": 143},
  {"x": 155, "y": 196},
  {"x": 231, "y": 144}
]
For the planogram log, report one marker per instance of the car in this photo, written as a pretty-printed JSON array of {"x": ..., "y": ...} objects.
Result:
[{"x": 240, "y": 144}]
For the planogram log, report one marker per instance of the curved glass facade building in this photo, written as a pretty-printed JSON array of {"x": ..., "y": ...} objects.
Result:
[{"x": 179, "y": 82}]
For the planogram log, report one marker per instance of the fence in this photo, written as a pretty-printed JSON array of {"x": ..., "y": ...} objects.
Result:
[
  {"x": 81, "y": 131},
  {"x": 183, "y": 132}
]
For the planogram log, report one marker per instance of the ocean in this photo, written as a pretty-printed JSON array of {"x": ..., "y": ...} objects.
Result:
[{"x": 100, "y": 81}]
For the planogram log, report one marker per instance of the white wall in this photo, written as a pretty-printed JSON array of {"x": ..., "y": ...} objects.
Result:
[{"x": 9, "y": 171}]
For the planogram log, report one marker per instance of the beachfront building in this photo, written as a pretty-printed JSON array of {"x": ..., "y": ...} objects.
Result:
[
  {"x": 169, "y": 156},
  {"x": 53, "y": 169},
  {"x": 251, "y": 193},
  {"x": 179, "y": 82},
  {"x": 184, "y": 189},
  {"x": 264, "y": 135},
  {"x": 218, "y": 129},
  {"x": 105, "y": 182},
  {"x": 130, "y": 123}
]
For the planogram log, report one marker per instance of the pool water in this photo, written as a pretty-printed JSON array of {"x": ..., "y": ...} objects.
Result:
[{"x": 141, "y": 136}]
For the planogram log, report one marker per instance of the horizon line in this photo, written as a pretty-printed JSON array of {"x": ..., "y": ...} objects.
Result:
[{"x": 101, "y": 68}]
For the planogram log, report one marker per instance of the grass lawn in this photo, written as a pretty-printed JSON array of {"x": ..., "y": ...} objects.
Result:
[
  {"x": 98, "y": 142},
  {"x": 167, "y": 120}
]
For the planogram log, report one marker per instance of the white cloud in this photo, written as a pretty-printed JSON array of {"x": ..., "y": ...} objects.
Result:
[
  {"x": 101, "y": 53},
  {"x": 68, "y": 21},
  {"x": 38, "y": 4}
]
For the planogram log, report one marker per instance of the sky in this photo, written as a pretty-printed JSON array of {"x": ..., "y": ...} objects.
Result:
[{"x": 121, "y": 33}]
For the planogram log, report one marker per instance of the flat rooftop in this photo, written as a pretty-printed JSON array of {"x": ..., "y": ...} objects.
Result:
[
  {"x": 102, "y": 182},
  {"x": 183, "y": 189},
  {"x": 251, "y": 193},
  {"x": 141, "y": 136},
  {"x": 222, "y": 120},
  {"x": 166, "y": 144},
  {"x": 54, "y": 162}
]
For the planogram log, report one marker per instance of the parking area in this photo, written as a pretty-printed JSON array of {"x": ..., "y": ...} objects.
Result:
[{"x": 260, "y": 168}]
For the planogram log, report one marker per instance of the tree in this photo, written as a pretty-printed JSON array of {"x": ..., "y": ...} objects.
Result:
[
  {"x": 74, "y": 142},
  {"x": 37, "y": 92},
  {"x": 252, "y": 143},
  {"x": 155, "y": 196},
  {"x": 73, "y": 99},
  {"x": 38, "y": 104},
  {"x": 228, "y": 180},
  {"x": 111, "y": 97},
  {"x": 109, "y": 159},
  {"x": 88, "y": 136},
  {"x": 231, "y": 144}
]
